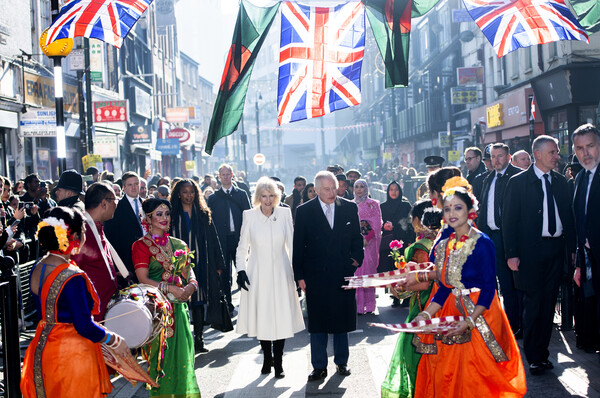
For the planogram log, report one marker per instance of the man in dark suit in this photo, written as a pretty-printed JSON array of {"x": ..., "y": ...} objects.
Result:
[
  {"x": 538, "y": 230},
  {"x": 227, "y": 205},
  {"x": 586, "y": 143},
  {"x": 473, "y": 163},
  {"x": 477, "y": 183},
  {"x": 490, "y": 221},
  {"x": 328, "y": 246},
  {"x": 126, "y": 225}
]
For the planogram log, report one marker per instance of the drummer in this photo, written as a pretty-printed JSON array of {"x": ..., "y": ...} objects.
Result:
[{"x": 95, "y": 257}]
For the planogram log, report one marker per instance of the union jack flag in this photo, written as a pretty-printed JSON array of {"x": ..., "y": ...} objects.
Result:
[
  {"x": 106, "y": 20},
  {"x": 510, "y": 24},
  {"x": 320, "y": 59}
]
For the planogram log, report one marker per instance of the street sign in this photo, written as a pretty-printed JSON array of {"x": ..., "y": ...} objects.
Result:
[
  {"x": 443, "y": 139},
  {"x": 469, "y": 76},
  {"x": 76, "y": 59},
  {"x": 463, "y": 95},
  {"x": 190, "y": 165},
  {"x": 259, "y": 159},
  {"x": 454, "y": 156}
]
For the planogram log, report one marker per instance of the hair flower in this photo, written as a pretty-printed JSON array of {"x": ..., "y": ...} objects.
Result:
[{"x": 61, "y": 231}]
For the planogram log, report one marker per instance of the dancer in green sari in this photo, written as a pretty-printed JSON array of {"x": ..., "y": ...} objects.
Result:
[
  {"x": 164, "y": 262},
  {"x": 402, "y": 373}
]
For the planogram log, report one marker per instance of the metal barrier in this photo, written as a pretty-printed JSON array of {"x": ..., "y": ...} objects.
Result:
[{"x": 9, "y": 305}]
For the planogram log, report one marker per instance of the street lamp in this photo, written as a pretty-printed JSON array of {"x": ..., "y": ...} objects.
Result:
[
  {"x": 259, "y": 97},
  {"x": 57, "y": 50}
]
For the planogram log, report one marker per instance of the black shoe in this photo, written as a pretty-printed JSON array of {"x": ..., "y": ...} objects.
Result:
[
  {"x": 278, "y": 367},
  {"x": 343, "y": 370},
  {"x": 536, "y": 368},
  {"x": 199, "y": 346},
  {"x": 547, "y": 365},
  {"x": 266, "y": 368},
  {"x": 317, "y": 374}
]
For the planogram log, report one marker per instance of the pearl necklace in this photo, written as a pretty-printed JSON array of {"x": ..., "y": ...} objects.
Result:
[{"x": 65, "y": 259}]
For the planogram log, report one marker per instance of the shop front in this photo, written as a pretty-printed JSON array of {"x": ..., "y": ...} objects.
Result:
[{"x": 507, "y": 120}]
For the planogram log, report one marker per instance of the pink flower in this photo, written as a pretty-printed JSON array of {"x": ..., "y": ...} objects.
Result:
[
  {"x": 396, "y": 244},
  {"x": 179, "y": 253}
]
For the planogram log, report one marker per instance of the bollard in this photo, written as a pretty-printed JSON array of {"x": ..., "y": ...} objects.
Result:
[{"x": 9, "y": 306}]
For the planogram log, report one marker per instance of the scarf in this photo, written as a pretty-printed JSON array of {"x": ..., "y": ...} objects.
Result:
[{"x": 365, "y": 196}]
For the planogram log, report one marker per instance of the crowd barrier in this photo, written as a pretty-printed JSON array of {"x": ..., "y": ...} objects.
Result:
[{"x": 9, "y": 315}]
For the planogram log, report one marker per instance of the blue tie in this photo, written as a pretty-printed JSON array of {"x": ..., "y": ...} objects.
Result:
[{"x": 137, "y": 213}]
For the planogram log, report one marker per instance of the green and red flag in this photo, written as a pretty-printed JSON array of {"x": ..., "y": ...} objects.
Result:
[
  {"x": 251, "y": 29},
  {"x": 390, "y": 22}
]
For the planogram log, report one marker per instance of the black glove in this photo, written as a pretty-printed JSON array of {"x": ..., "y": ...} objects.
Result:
[{"x": 242, "y": 280}]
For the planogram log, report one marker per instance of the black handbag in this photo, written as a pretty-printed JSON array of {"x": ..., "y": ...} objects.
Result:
[{"x": 223, "y": 321}]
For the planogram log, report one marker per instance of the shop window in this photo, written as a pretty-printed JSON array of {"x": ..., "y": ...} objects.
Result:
[{"x": 587, "y": 114}]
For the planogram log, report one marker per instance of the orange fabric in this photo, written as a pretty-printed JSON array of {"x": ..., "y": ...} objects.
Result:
[
  {"x": 469, "y": 369},
  {"x": 72, "y": 366},
  {"x": 420, "y": 256}
]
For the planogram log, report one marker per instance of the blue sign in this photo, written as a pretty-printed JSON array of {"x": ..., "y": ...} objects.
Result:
[
  {"x": 461, "y": 15},
  {"x": 168, "y": 146}
]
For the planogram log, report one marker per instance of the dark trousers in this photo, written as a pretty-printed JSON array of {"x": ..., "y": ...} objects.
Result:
[
  {"x": 229, "y": 257},
  {"x": 539, "y": 300},
  {"x": 511, "y": 297},
  {"x": 318, "y": 349}
]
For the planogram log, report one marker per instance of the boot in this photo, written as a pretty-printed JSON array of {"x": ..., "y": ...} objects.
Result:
[
  {"x": 267, "y": 357},
  {"x": 198, "y": 322},
  {"x": 278, "y": 358}
]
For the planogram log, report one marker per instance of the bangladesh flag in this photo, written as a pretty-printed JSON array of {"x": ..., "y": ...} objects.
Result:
[
  {"x": 588, "y": 14},
  {"x": 251, "y": 29},
  {"x": 390, "y": 23}
]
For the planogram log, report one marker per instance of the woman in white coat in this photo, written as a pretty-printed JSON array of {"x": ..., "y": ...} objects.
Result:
[{"x": 269, "y": 307}]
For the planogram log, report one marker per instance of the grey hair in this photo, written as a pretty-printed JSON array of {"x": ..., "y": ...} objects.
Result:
[
  {"x": 321, "y": 175},
  {"x": 226, "y": 166},
  {"x": 541, "y": 140},
  {"x": 584, "y": 129}
]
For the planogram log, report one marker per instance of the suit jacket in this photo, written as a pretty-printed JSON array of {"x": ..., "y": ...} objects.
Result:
[
  {"x": 522, "y": 221},
  {"x": 122, "y": 231},
  {"x": 482, "y": 219},
  {"x": 478, "y": 184},
  {"x": 592, "y": 220},
  {"x": 219, "y": 205},
  {"x": 322, "y": 257}
]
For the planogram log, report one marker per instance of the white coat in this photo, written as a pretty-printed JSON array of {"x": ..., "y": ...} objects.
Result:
[{"x": 270, "y": 309}]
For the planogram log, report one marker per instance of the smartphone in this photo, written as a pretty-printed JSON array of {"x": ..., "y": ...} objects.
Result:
[{"x": 15, "y": 223}]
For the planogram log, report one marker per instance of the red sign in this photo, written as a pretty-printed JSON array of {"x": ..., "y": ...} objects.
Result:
[
  {"x": 259, "y": 159},
  {"x": 180, "y": 133},
  {"x": 110, "y": 111}
]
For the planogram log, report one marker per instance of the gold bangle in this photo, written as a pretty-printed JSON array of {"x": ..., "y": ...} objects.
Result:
[
  {"x": 426, "y": 314},
  {"x": 470, "y": 322},
  {"x": 417, "y": 277}
]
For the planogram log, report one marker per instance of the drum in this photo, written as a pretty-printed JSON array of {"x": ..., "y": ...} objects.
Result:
[{"x": 138, "y": 314}]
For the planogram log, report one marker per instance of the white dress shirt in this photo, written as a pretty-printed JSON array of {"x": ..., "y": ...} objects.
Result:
[
  {"x": 332, "y": 207},
  {"x": 131, "y": 202},
  {"x": 491, "y": 220},
  {"x": 559, "y": 228}
]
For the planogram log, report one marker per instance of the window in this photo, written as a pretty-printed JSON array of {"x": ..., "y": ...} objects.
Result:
[
  {"x": 528, "y": 61},
  {"x": 515, "y": 65}
]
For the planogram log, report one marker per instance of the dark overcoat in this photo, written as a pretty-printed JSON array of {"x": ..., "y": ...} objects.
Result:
[
  {"x": 122, "y": 231},
  {"x": 592, "y": 220},
  {"x": 482, "y": 219},
  {"x": 522, "y": 221},
  {"x": 219, "y": 206},
  {"x": 322, "y": 258}
]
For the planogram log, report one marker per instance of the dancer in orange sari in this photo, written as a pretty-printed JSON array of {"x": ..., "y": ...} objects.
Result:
[
  {"x": 65, "y": 359},
  {"x": 480, "y": 357}
]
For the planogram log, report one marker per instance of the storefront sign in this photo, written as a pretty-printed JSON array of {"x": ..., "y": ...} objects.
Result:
[
  {"x": 444, "y": 139},
  {"x": 96, "y": 60},
  {"x": 106, "y": 146},
  {"x": 463, "y": 95},
  {"x": 181, "y": 134},
  {"x": 143, "y": 103},
  {"x": 195, "y": 116},
  {"x": 38, "y": 123},
  {"x": 39, "y": 91},
  {"x": 110, "y": 111},
  {"x": 469, "y": 76},
  {"x": 168, "y": 146},
  {"x": 495, "y": 117},
  {"x": 140, "y": 134},
  {"x": 190, "y": 165},
  {"x": 178, "y": 115}
]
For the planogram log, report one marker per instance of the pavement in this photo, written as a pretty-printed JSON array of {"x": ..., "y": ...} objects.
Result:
[{"x": 232, "y": 366}]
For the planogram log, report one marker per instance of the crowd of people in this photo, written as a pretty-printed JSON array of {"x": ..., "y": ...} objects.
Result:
[{"x": 501, "y": 234}]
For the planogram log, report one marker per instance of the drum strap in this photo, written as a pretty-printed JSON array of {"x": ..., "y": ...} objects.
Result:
[{"x": 115, "y": 256}]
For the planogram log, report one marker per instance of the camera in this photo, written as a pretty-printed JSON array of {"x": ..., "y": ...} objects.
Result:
[{"x": 26, "y": 205}]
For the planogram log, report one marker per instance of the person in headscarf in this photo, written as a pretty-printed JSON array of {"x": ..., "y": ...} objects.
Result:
[
  {"x": 369, "y": 215},
  {"x": 396, "y": 226}
]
